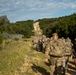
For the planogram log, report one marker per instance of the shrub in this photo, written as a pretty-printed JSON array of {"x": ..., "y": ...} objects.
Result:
[
  {"x": 1, "y": 39},
  {"x": 16, "y": 39}
]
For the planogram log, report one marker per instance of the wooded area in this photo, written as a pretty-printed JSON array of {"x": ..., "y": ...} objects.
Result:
[
  {"x": 65, "y": 26},
  {"x": 21, "y": 27}
]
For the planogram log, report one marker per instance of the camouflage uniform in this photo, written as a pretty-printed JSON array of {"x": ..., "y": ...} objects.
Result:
[
  {"x": 45, "y": 41},
  {"x": 38, "y": 42},
  {"x": 68, "y": 46},
  {"x": 42, "y": 42},
  {"x": 55, "y": 51},
  {"x": 68, "y": 51},
  {"x": 35, "y": 42}
]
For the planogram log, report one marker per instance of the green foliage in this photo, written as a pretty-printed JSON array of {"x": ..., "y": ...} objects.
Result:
[
  {"x": 21, "y": 27},
  {"x": 64, "y": 26},
  {"x": 3, "y": 23},
  {"x": 16, "y": 39},
  {"x": 1, "y": 39},
  {"x": 19, "y": 58},
  {"x": 12, "y": 57}
]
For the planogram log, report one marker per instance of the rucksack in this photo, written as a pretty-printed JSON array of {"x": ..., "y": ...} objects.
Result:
[{"x": 68, "y": 47}]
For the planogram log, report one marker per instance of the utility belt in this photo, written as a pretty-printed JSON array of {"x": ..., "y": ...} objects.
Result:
[
  {"x": 56, "y": 56},
  {"x": 59, "y": 56},
  {"x": 68, "y": 55}
]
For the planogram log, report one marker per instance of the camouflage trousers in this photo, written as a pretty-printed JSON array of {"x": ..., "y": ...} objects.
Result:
[{"x": 55, "y": 61}]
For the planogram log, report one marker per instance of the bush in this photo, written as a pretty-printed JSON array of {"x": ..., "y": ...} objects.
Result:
[
  {"x": 16, "y": 39},
  {"x": 1, "y": 39}
]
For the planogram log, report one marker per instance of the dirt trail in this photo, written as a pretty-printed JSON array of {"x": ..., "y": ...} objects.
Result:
[{"x": 37, "y": 28}]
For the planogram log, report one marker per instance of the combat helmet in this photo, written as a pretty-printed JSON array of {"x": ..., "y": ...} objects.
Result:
[{"x": 55, "y": 34}]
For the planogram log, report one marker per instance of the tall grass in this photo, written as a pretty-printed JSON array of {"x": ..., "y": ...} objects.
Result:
[
  {"x": 12, "y": 57},
  {"x": 1, "y": 41},
  {"x": 18, "y": 58}
]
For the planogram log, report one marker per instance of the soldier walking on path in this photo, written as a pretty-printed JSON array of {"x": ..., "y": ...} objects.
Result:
[
  {"x": 74, "y": 52},
  {"x": 54, "y": 52}
]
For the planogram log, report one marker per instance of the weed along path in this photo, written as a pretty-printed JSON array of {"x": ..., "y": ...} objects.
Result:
[{"x": 19, "y": 58}]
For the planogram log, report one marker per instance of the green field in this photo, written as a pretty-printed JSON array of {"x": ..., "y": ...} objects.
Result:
[{"x": 19, "y": 58}]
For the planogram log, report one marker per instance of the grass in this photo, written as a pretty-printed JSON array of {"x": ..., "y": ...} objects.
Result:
[
  {"x": 12, "y": 57},
  {"x": 19, "y": 58}
]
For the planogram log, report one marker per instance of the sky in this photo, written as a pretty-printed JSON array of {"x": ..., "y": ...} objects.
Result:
[{"x": 19, "y": 10}]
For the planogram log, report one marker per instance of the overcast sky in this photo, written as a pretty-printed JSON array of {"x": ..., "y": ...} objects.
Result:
[{"x": 18, "y": 10}]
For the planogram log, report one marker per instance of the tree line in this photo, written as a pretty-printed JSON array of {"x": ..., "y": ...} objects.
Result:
[
  {"x": 20, "y": 27},
  {"x": 65, "y": 26}
]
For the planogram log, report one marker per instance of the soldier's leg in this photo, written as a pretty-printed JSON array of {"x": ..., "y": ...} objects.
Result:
[
  {"x": 58, "y": 66},
  {"x": 38, "y": 47},
  {"x": 43, "y": 48},
  {"x": 52, "y": 66},
  {"x": 52, "y": 69},
  {"x": 75, "y": 61},
  {"x": 66, "y": 67}
]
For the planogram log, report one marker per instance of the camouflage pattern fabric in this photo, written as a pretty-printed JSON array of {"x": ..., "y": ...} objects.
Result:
[
  {"x": 59, "y": 47},
  {"x": 40, "y": 42},
  {"x": 55, "y": 50},
  {"x": 68, "y": 46},
  {"x": 55, "y": 62}
]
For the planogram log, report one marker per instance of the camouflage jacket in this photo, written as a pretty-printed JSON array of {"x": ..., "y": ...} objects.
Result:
[{"x": 58, "y": 48}]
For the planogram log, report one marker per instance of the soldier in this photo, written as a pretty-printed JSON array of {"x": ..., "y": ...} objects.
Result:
[
  {"x": 54, "y": 52},
  {"x": 40, "y": 45},
  {"x": 35, "y": 41},
  {"x": 68, "y": 52},
  {"x": 74, "y": 52},
  {"x": 45, "y": 43}
]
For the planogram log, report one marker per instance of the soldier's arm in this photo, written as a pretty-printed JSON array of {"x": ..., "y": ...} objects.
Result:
[{"x": 47, "y": 52}]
